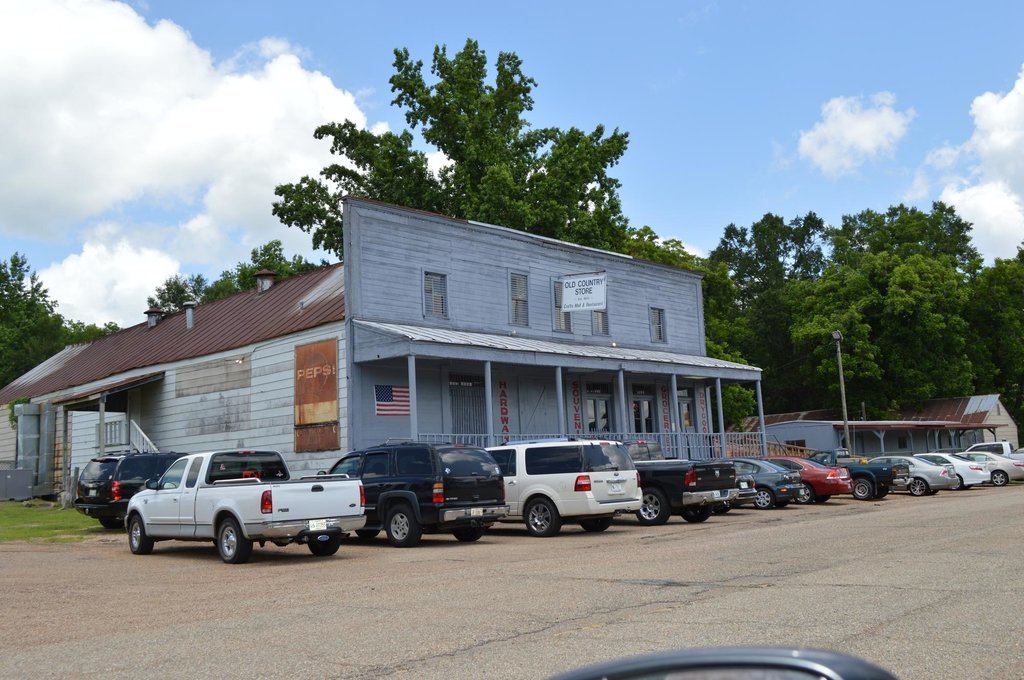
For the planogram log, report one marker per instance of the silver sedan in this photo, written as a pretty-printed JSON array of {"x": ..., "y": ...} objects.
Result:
[
  {"x": 1001, "y": 469},
  {"x": 926, "y": 477}
]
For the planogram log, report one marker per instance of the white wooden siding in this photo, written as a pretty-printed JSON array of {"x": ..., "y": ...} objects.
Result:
[{"x": 476, "y": 260}]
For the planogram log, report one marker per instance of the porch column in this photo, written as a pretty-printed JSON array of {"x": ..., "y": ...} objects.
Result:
[
  {"x": 622, "y": 401},
  {"x": 560, "y": 400},
  {"x": 488, "y": 403},
  {"x": 103, "y": 425},
  {"x": 881, "y": 441},
  {"x": 413, "y": 425},
  {"x": 760, "y": 419},
  {"x": 676, "y": 435},
  {"x": 67, "y": 490},
  {"x": 721, "y": 416}
]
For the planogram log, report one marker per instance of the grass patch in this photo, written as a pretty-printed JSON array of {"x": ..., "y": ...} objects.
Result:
[{"x": 44, "y": 522}]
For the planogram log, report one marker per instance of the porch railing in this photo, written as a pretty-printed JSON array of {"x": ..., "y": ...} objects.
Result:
[
  {"x": 120, "y": 433},
  {"x": 689, "y": 445}
]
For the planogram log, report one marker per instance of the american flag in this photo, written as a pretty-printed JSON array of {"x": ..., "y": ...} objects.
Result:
[{"x": 391, "y": 400}]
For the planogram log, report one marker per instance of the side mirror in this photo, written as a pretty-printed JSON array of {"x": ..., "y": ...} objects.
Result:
[
  {"x": 735, "y": 663},
  {"x": 153, "y": 483}
]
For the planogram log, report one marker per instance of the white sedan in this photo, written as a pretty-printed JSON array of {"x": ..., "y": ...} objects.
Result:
[
  {"x": 968, "y": 472},
  {"x": 1001, "y": 469}
]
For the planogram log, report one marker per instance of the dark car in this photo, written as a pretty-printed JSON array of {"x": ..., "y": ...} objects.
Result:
[
  {"x": 822, "y": 481},
  {"x": 776, "y": 486},
  {"x": 107, "y": 482},
  {"x": 414, "y": 488}
]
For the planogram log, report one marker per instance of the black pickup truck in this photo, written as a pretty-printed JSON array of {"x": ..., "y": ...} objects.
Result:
[
  {"x": 691, "y": 489},
  {"x": 870, "y": 480}
]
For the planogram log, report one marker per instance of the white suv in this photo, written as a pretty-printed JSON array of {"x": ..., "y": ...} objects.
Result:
[{"x": 549, "y": 481}]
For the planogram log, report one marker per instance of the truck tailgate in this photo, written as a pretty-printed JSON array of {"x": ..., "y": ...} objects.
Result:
[
  {"x": 310, "y": 499},
  {"x": 712, "y": 475}
]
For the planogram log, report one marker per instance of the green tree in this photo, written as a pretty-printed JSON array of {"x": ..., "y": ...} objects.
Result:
[
  {"x": 546, "y": 181},
  {"x": 30, "y": 330},
  {"x": 765, "y": 262},
  {"x": 897, "y": 287},
  {"x": 995, "y": 317},
  {"x": 178, "y": 289}
]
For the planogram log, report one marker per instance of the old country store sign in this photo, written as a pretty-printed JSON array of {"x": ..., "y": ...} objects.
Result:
[{"x": 583, "y": 292}]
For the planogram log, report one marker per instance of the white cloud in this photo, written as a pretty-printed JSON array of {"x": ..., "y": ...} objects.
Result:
[
  {"x": 107, "y": 282},
  {"x": 850, "y": 134},
  {"x": 984, "y": 177},
  {"x": 108, "y": 117},
  {"x": 997, "y": 213}
]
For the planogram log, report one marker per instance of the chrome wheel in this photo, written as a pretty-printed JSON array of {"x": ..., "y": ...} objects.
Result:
[
  {"x": 1000, "y": 478},
  {"x": 228, "y": 542},
  {"x": 542, "y": 518},
  {"x": 917, "y": 487}
]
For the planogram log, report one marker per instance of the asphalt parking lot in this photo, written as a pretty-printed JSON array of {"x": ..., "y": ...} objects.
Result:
[{"x": 925, "y": 587}]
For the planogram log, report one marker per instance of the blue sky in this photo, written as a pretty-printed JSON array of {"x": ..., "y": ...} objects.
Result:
[{"x": 145, "y": 138}]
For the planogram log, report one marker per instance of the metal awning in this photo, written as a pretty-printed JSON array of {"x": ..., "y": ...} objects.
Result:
[
  {"x": 82, "y": 400},
  {"x": 374, "y": 341}
]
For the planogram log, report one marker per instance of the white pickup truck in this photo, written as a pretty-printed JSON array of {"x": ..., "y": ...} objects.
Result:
[
  {"x": 238, "y": 497},
  {"x": 1000, "y": 448}
]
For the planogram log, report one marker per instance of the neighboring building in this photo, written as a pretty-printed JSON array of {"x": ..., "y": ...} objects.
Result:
[
  {"x": 434, "y": 329},
  {"x": 937, "y": 424}
]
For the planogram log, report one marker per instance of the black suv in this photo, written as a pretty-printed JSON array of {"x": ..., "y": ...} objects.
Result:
[
  {"x": 416, "y": 488},
  {"x": 107, "y": 483}
]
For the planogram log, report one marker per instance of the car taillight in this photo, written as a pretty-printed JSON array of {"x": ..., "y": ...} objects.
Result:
[
  {"x": 583, "y": 483},
  {"x": 977, "y": 467},
  {"x": 638, "y": 479},
  {"x": 691, "y": 477},
  {"x": 362, "y": 495},
  {"x": 267, "y": 503},
  {"x": 115, "y": 491},
  {"x": 437, "y": 497}
]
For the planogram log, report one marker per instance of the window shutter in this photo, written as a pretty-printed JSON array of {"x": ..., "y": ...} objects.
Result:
[
  {"x": 519, "y": 284},
  {"x": 435, "y": 295}
]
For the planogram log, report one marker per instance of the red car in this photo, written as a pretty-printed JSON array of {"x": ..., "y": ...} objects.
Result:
[{"x": 821, "y": 481}]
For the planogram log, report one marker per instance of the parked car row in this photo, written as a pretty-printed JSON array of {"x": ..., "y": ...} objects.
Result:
[{"x": 409, "y": 489}]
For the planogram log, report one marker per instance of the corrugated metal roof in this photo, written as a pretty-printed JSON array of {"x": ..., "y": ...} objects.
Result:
[
  {"x": 521, "y": 344},
  {"x": 951, "y": 412},
  {"x": 291, "y": 305}
]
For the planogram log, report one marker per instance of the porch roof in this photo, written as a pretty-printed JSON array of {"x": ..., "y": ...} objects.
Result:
[{"x": 376, "y": 340}]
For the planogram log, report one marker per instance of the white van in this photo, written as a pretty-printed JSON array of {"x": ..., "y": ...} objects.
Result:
[{"x": 549, "y": 481}]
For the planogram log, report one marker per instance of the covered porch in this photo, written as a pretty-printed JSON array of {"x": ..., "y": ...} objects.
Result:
[{"x": 485, "y": 389}]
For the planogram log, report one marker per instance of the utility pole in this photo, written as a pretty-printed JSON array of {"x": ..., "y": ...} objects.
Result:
[{"x": 838, "y": 338}]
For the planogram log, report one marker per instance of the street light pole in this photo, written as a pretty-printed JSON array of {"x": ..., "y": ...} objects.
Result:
[{"x": 838, "y": 337}]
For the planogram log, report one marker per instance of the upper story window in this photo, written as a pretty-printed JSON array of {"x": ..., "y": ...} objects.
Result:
[
  {"x": 435, "y": 295},
  {"x": 563, "y": 320},
  {"x": 519, "y": 296},
  {"x": 658, "y": 324},
  {"x": 599, "y": 322}
]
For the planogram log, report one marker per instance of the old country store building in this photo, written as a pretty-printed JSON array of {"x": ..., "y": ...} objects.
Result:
[
  {"x": 461, "y": 331},
  {"x": 433, "y": 329}
]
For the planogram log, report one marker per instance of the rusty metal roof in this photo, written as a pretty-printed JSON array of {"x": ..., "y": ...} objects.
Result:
[
  {"x": 964, "y": 412},
  {"x": 289, "y": 306}
]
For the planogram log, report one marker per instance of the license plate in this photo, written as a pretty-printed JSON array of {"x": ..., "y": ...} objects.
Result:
[
  {"x": 92, "y": 492},
  {"x": 743, "y": 485},
  {"x": 317, "y": 524},
  {"x": 476, "y": 512},
  {"x": 614, "y": 488}
]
